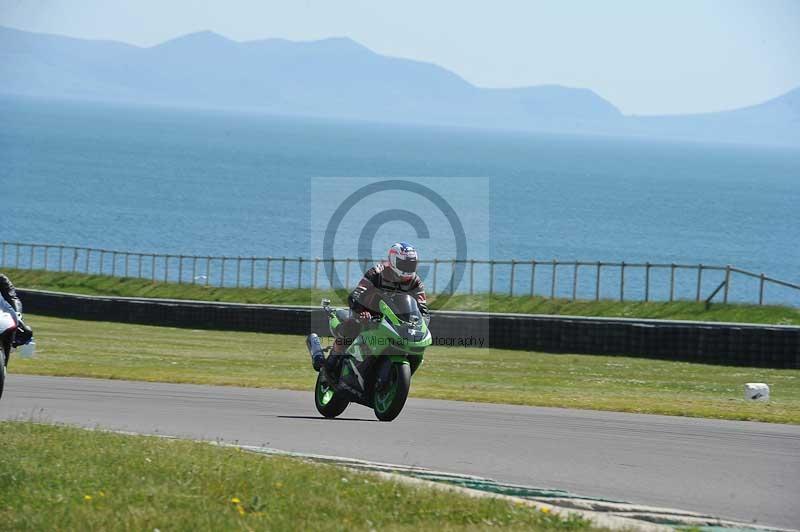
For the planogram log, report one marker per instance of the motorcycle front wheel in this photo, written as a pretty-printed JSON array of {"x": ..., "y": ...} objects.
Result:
[
  {"x": 326, "y": 401},
  {"x": 2, "y": 370},
  {"x": 389, "y": 401}
]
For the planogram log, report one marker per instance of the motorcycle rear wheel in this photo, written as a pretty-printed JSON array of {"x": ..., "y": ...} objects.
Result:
[
  {"x": 390, "y": 401},
  {"x": 327, "y": 402}
]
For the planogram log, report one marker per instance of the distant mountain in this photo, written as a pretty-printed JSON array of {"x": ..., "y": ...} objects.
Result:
[{"x": 340, "y": 78}]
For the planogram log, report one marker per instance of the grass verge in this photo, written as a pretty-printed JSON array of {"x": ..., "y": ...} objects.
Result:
[
  {"x": 60, "y": 478},
  {"x": 678, "y": 310},
  {"x": 138, "y": 352}
]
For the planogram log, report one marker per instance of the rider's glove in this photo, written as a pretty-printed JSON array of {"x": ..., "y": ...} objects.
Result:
[{"x": 364, "y": 315}]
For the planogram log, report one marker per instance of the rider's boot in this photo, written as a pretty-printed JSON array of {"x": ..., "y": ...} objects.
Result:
[{"x": 333, "y": 363}]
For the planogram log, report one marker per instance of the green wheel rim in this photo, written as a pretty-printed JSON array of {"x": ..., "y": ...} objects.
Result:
[
  {"x": 324, "y": 394},
  {"x": 384, "y": 400}
]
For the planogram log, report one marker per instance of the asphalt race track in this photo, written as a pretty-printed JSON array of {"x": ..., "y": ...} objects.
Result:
[{"x": 738, "y": 470}]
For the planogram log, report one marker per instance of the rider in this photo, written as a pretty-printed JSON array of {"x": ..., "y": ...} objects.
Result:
[
  {"x": 9, "y": 294},
  {"x": 398, "y": 273}
]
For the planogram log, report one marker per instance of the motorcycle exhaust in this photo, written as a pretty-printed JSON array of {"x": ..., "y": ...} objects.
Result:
[{"x": 315, "y": 350}]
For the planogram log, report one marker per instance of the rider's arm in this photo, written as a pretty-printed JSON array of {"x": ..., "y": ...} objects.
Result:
[
  {"x": 362, "y": 298},
  {"x": 9, "y": 293},
  {"x": 418, "y": 290}
]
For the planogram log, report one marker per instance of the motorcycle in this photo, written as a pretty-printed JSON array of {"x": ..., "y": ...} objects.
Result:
[
  {"x": 376, "y": 369},
  {"x": 9, "y": 323}
]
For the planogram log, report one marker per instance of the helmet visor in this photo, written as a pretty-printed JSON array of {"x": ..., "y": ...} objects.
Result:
[{"x": 406, "y": 266}]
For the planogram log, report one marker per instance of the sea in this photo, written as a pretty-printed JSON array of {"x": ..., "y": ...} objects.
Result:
[{"x": 236, "y": 183}]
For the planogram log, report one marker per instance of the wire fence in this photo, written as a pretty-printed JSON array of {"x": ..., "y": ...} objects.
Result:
[{"x": 574, "y": 280}]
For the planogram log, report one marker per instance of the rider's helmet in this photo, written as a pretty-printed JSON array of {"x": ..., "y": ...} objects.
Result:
[{"x": 403, "y": 261}]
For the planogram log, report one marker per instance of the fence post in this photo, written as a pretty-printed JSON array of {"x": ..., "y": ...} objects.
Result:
[
  {"x": 102, "y": 260},
  {"x": 511, "y": 284},
  {"x": 60, "y": 257},
  {"x": 74, "y": 259},
  {"x": 727, "y": 282},
  {"x": 33, "y": 248},
  {"x": 553, "y": 281},
  {"x": 127, "y": 256},
  {"x": 153, "y": 266},
  {"x": 452, "y": 282},
  {"x": 222, "y": 273},
  {"x": 761, "y": 289},
  {"x": 238, "y": 270},
  {"x": 699, "y": 282},
  {"x": 575, "y": 281},
  {"x": 208, "y": 270},
  {"x": 180, "y": 269},
  {"x": 533, "y": 277},
  {"x": 316, "y": 272},
  {"x": 114, "y": 264},
  {"x": 471, "y": 276},
  {"x": 252, "y": 272},
  {"x": 647, "y": 281},
  {"x": 671, "y": 282},
  {"x": 266, "y": 274},
  {"x": 435, "y": 267},
  {"x": 194, "y": 269},
  {"x": 597, "y": 283},
  {"x": 299, "y": 272},
  {"x": 46, "y": 253},
  {"x": 88, "y": 252},
  {"x": 283, "y": 272},
  {"x": 347, "y": 275},
  {"x": 622, "y": 281},
  {"x": 166, "y": 268},
  {"x": 491, "y": 276}
]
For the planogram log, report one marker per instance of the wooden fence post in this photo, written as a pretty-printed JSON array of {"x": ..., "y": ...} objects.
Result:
[
  {"x": 435, "y": 268},
  {"x": 699, "y": 282},
  {"x": 491, "y": 277},
  {"x": 575, "y": 282},
  {"x": 511, "y": 284},
  {"x": 672, "y": 282},
  {"x": 727, "y": 283},
  {"x": 299, "y": 272},
  {"x": 597, "y": 283},
  {"x": 471, "y": 276}
]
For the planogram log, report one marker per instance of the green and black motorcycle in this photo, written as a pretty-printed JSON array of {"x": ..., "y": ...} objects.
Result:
[{"x": 377, "y": 367}]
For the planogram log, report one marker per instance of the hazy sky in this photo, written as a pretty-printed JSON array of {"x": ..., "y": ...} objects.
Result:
[{"x": 645, "y": 57}]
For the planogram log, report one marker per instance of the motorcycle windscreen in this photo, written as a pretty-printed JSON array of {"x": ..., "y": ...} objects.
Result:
[{"x": 405, "y": 308}]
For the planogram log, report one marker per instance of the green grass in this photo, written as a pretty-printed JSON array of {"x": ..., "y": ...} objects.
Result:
[
  {"x": 60, "y": 478},
  {"x": 124, "y": 351},
  {"x": 679, "y": 310}
]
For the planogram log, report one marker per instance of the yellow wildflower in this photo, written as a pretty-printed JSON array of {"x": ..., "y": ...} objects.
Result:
[
  {"x": 235, "y": 500},
  {"x": 87, "y": 498},
  {"x": 545, "y": 510}
]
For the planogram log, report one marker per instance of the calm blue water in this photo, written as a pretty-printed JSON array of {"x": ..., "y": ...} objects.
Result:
[{"x": 224, "y": 183}]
